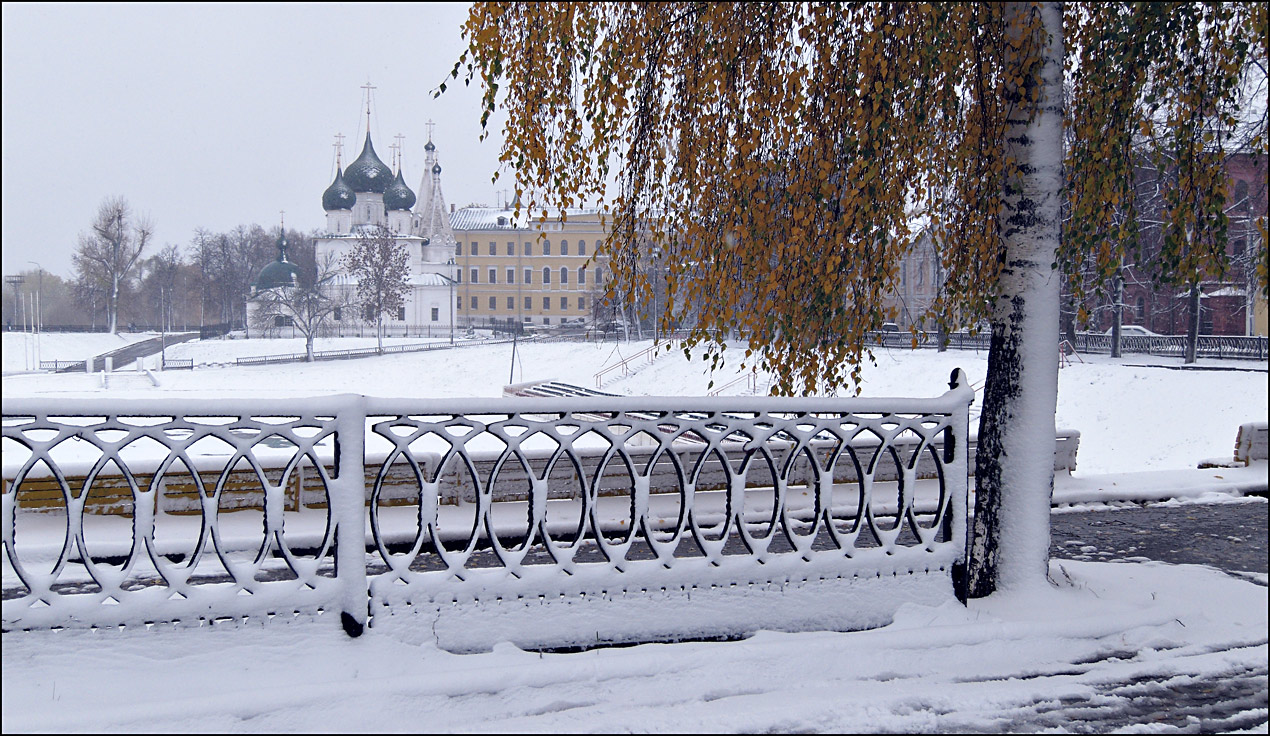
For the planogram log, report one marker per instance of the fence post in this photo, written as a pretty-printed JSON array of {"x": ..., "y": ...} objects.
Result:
[
  {"x": 957, "y": 471},
  {"x": 348, "y": 511}
]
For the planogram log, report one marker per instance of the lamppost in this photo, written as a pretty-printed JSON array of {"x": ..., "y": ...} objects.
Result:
[
  {"x": 450, "y": 263},
  {"x": 39, "y": 311}
]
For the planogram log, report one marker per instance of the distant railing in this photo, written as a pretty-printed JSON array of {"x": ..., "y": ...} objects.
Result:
[
  {"x": 359, "y": 352},
  {"x": 590, "y": 555},
  {"x": 178, "y": 365},
  {"x": 652, "y": 353},
  {"x": 1208, "y": 346},
  {"x": 749, "y": 379}
]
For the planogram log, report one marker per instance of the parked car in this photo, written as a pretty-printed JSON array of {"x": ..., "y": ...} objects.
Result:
[{"x": 1133, "y": 331}]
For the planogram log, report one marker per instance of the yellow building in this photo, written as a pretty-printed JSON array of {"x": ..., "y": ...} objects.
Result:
[{"x": 525, "y": 270}]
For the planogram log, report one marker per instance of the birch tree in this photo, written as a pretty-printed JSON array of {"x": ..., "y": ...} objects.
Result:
[
  {"x": 109, "y": 250},
  {"x": 778, "y": 149}
]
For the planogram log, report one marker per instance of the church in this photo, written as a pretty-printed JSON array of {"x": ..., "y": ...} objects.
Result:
[{"x": 367, "y": 193}]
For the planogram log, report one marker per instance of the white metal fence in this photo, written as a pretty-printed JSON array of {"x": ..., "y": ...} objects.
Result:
[{"x": 636, "y": 518}]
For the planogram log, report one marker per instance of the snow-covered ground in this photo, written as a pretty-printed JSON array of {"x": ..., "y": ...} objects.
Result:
[
  {"x": 209, "y": 352},
  {"x": 1104, "y": 639},
  {"x": 21, "y": 350},
  {"x": 1104, "y": 635},
  {"x": 1131, "y": 418}
]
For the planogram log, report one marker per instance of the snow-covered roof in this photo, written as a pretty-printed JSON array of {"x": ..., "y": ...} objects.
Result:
[
  {"x": 499, "y": 218},
  {"x": 429, "y": 279}
]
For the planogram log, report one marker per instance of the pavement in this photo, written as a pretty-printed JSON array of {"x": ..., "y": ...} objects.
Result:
[
  {"x": 1228, "y": 536},
  {"x": 124, "y": 356}
]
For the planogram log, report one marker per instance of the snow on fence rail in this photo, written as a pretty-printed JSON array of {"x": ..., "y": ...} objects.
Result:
[{"x": 590, "y": 554}]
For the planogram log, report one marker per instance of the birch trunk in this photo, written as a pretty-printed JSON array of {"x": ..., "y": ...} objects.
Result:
[
  {"x": 1014, "y": 477},
  {"x": 1192, "y": 322}
]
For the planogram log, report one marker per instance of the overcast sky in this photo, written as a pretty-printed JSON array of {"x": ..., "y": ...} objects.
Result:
[{"x": 218, "y": 115}]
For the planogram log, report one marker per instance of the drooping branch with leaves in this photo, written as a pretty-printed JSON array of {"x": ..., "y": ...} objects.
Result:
[{"x": 781, "y": 155}]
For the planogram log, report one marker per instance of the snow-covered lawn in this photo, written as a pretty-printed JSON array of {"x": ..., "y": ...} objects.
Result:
[
  {"x": 22, "y": 349},
  {"x": 1106, "y": 634},
  {"x": 208, "y": 352},
  {"x": 1131, "y": 417}
]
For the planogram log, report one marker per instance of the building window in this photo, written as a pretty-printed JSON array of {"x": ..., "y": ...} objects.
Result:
[
  {"x": 338, "y": 314},
  {"x": 582, "y": 276},
  {"x": 581, "y": 247},
  {"x": 474, "y": 279},
  {"x": 564, "y": 247},
  {"x": 1142, "y": 309},
  {"x": 511, "y": 249},
  {"x": 511, "y": 302},
  {"x": 581, "y": 302},
  {"x": 599, "y": 275},
  {"x": 564, "y": 275},
  {"x": 493, "y": 303},
  {"x": 458, "y": 249},
  {"x": 546, "y": 320},
  {"x": 529, "y": 304},
  {"x": 493, "y": 276},
  {"x": 546, "y": 275},
  {"x": 529, "y": 249},
  {"x": 401, "y": 314},
  {"x": 473, "y": 302},
  {"x": 459, "y": 302},
  {"x": 546, "y": 302},
  {"x": 529, "y": 276},
  {"x": 546, "y": 247},
  {"x": 511, "y": 275},
  {"x": 436, "y": 314},
  {"x": 281, "y": 321},
  {"x": 493, "y": 249},
  {"x": 476, "y": 249}
]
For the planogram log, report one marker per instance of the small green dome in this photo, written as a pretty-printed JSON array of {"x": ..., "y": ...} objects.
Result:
[
  {"x": 368, "y": 173},
  {"x": 280, "y": 273},
  {"x": 338, "y": 196},
  {"x": 398, "y": 196}
]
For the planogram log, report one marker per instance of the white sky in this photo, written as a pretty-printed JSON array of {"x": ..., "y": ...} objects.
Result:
[{"x": 219, "y": 115}]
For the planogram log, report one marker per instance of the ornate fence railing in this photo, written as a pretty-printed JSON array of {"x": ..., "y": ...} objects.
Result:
[
  {"x": 636, "y": 518},
  {"x": 1208, "y": 346}
]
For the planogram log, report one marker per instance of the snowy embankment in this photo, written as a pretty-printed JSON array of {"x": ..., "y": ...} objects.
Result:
[
  {"x": 219, "y": 352},
  {"x": 1131, "y": 417},
  {"x": 21, "y": 350},
  {"x": 1086, "y": 653}
]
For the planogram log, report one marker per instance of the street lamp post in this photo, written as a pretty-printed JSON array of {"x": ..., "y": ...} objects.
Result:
[
  {"x": 450, "y": 263},
  {"x": 39, "y": 311}
]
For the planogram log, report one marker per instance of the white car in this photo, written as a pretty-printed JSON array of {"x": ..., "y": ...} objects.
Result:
[{"x": 1134, "y": 331}]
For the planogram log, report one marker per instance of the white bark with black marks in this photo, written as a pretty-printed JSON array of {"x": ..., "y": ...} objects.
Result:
[{"x": 1014, "y": 476}]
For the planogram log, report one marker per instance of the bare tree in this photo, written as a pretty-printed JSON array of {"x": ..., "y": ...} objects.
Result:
[
  {"x": 108, "y": 252},
  {"x": 309, "y": 307},
  {"x": 381, "y": 267}
]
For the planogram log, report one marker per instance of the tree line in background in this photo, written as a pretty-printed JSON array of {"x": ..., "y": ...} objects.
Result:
[{"x": 120, "y": 278}]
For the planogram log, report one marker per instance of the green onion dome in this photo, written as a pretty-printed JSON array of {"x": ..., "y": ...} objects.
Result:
[
  {"x": 280, "y": 273},
  {"x": 338, "y": 196},
  {"x": 368, "y": 173},
  {"x": 398, "y": 196}
]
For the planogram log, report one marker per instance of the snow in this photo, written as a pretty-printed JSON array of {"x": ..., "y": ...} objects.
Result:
[
  {"x": 20, "y": 349},
  {"x": 1031, "y": 660},
  {"x": 1104, "y": 634},
  {"x": 1126, "y": 424}
]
